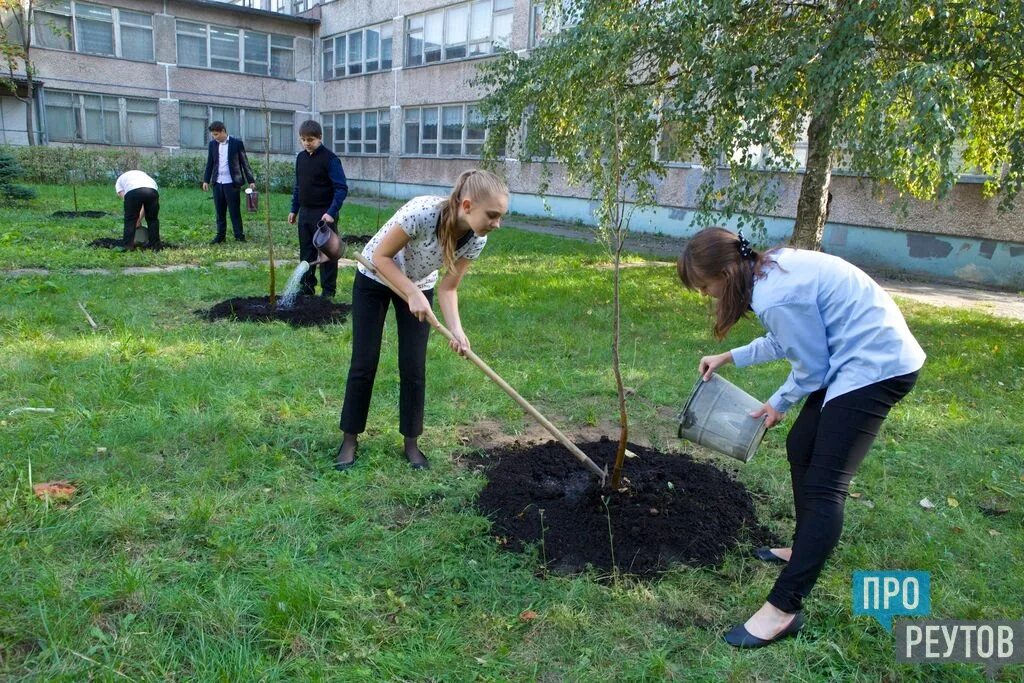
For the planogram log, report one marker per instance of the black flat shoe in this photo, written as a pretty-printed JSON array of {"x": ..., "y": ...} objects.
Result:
[
  {"x": 425, "y": 465},
  {"x": 740, "y": 637},
  {"x": 342, "y": 466},
  {"x": 766, "y": 555}
]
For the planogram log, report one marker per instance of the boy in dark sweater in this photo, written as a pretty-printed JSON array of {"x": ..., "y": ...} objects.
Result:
[{"x": 320, "y": 190}]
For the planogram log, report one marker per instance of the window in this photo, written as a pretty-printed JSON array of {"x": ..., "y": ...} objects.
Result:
[
  {"x": 104, "y": 119},
  {"x": 53, "y": 26},
  {"x": 448, "y": 130},
  {"x": 95, "y": 29},
  {"x": 544, "y": 24},
  {"x": 230, "y": 49},
  {"x": 358, "y": 132},
  {"x": 357, "y": 52},
  {"x": 250, "y": 125},
  {"x": 671, "y": 150},
  {"x": 467, "y": 30},
  {"x": 136, "y": 35}
]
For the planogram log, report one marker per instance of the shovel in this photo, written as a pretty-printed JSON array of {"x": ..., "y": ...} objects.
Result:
[{"x": 533, "y": 412}]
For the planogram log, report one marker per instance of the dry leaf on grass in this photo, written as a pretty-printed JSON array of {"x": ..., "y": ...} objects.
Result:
[
  {"x": 993, "y": 532},
  {"x": 927, "y": 504},
  {"x": 855, "y": 495},
  {"x": 54, "y": 490},
  {"x": 952, "y": 502},
  {"x": 527, "y": 616}
]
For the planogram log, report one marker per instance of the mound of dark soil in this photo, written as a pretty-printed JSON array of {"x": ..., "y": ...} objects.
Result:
[
  {"x": 307, "y": 311},
  {"x": 352, "y": 240},
  {"x": 674, "y": 509},
  {"x": 113, "y": 243},
  {"x": 79, "y": 214}
]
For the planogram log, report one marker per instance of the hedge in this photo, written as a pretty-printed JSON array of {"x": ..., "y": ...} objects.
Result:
[{"x": 51, "y": 165}]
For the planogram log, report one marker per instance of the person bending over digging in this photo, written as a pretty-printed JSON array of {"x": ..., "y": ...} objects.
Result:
[
  {"x": 141, "y": 196},
  {"x": 427, "y": 233},
  {"x": 853, "y": 358}
]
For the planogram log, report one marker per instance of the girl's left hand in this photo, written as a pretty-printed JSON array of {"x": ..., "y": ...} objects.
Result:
[
  {"x": 460, "y": 344},
  {"x": 774, "y": 416}
]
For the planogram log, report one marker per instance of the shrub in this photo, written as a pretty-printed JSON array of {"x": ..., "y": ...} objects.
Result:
[
  {"x": 11, "y": 171},
  {"x": 52, "y": 165}
]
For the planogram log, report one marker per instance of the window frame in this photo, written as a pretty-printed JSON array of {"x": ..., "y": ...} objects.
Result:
[
  {"x": 382, "y": 118},
  {"x": 439, "y": 141},
  {"x": 242, "y": 40},
  {"x": 342, "y": 69},
  {"x": 463, "y": 47},
  {"x": 70, "y": 11},
  {"x": 241, "y": 115},
  {"x": 108, "y": 103}
]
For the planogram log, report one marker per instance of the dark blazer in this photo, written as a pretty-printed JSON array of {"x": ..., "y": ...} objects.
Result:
[{"x": 238, "y": 163}]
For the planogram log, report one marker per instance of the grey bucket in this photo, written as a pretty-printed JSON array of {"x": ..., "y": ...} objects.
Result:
[
  {"x": 141, "y": 235},
  {"x": 717, "y": 416}
]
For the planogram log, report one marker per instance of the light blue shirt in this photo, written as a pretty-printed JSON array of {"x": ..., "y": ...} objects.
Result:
[{"x": 833, "y": 323}]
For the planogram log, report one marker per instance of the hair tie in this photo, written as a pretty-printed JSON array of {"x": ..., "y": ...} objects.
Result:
[{"x": 744, "y": 247}]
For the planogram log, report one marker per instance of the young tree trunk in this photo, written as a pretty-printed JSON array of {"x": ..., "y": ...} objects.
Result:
[
  {"x": 813, "y": 202},
  {"x": 618, "y": 215},
  {"x": 620, "y": 453}
]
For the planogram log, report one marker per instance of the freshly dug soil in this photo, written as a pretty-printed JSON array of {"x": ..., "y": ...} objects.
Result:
[
  {"x": 79, "y": 214},
  {"x": 307, "y": 311},
  {"x": 695, "y": 521},
  {"x": 113, "y": 243}
]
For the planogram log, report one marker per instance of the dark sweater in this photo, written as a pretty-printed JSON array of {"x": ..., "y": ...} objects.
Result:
[{"x": 319, "y": 181}]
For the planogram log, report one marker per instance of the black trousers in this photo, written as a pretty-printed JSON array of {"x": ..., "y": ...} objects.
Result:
[
  {"x": 307, "y": 219},
  {"x": 826, "y": 447},
  {"x": 135, "y": 201},
  {"x": 228, "y": 199},
  {"x": 370, "y": 300}
]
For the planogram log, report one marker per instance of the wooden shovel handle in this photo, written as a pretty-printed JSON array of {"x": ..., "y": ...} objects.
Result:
[{"x": 496, "y": 378}]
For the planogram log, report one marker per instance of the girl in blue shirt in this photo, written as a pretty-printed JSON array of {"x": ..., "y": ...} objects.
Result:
[{"x": 852, "y": 358}]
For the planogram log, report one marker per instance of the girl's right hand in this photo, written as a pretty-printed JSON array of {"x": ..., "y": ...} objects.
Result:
[
  {"x": 418, "y": 305},
  {"x": 708, "y": 364}
]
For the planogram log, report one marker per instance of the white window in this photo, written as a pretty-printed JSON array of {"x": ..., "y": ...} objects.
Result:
[
  {"x": 457, "y": 32},
  {"x": 104, "y": 119},
  {"x": 230, "y": 49},
  {"x": 448, "y": 130},
  {"x": 136, "y": 35},
  {"x": 357, "y": 52},
  {"x": 95, "y": 29},
  {"x": 94, "y": 26},
  {"x": 358, "y": 132},
  {"x": 249, "y": 125},
  {"x": 53, "y": 25},
  {"x": 548, "y": 17}
]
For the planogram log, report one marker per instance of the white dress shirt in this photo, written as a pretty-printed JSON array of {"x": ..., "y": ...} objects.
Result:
[
  {"x": 133, "y": 180},
  {"x": 223, "y": 171}
]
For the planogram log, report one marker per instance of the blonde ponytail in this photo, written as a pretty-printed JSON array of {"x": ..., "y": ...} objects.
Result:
[{"x": 478, "y": 185}]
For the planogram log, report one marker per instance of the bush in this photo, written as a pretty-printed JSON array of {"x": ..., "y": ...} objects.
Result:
[
  {"x": 51, "y": 165},
  {"x": 11, "y": 171}
]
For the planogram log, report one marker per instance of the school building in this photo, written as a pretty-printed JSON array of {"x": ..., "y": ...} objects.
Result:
[{"x": 389, "y": 81}]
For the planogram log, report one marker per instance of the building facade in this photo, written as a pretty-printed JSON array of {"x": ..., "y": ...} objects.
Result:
[{"x": 390, "y": 82}]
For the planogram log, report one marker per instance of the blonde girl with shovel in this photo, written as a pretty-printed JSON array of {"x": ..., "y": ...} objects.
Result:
[
  {"x": 426, "y": 234},
  {"x": 852, "y": 357}
]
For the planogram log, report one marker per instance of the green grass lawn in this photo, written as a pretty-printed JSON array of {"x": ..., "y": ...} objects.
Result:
[{"x": 212, "y": 540}]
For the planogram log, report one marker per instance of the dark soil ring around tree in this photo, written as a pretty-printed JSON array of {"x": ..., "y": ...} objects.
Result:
[
  {"x": 696, "y": 520},
  {"x": 79, "y": 214},
  {"x": 307, "y": 311},
  {"x": 113, "y": 243}
]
